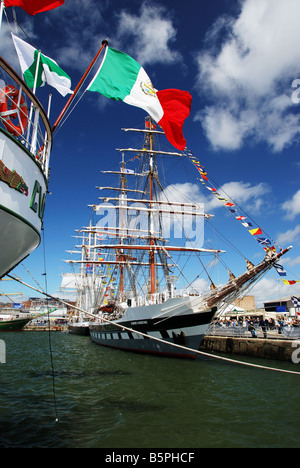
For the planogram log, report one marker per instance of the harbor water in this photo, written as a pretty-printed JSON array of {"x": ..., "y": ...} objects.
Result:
[{"x": 107, "y": 399}]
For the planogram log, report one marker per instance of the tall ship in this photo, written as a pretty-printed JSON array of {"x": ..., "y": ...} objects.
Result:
[
  {"x": 85, "y": 281},
  {"x": 14, "y": 322},
  {"x": 145, "y": 245}
]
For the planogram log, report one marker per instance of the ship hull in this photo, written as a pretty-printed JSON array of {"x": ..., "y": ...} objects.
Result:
[
  {"x": 14, "y": 325},
  {"x": 22, "y": 201},
  {"x": 186, "y": 331},
  {"x": 77, "y": 329}
]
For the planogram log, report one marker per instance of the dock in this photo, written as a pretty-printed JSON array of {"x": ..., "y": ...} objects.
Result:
[
  {"x": 61, "y": 328},
  {"x": 273, "y": 349}
]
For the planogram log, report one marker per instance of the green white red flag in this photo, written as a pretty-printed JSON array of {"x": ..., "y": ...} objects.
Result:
[
  {"x": 121, "y": 78},
  {"x": 32, "y": 7}
]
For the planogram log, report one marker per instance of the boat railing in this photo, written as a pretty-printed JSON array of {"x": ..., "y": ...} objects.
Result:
[
  {"x": 161, "y": 297},
  {"x": 290, "y": 332},
  {"x": 23, "y": 118},
  {"x": 241, "y": 331}
]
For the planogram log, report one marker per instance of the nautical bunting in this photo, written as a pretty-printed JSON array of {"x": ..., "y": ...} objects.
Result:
[
  {"x": 296, "y": 302},
  {"x": 266, "y": 243},
  {"x": 255, "y": 232},
  {"x": 290, "y": 283},
  {"x": 280, "y": 269}
]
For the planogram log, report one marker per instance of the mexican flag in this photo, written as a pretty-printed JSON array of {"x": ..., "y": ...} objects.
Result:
[
  {"x": 32, "y": 7},
  {"x": 48, "y": 70},
  {"x": 121, "y": 78}
]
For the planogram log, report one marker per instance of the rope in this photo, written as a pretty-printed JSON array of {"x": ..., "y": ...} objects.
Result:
[
  {"x": 202, "y": 353},
  {"x": 49, "y": 332}
]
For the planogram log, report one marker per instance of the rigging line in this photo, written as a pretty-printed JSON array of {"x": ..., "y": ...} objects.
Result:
[
  {"x": 49, "y": 331},
  {"x": 215, "y": 230},
  {"x": 28, "y": 272},
  {"x": 63, "y": 112},
  {"x": 63, "y": 121},
  {"x": 16, "y": 23},
  {"x": 240, "y": 208},
  {"x": 246, "y": 288},
  {"x": 158, "y": 339}
]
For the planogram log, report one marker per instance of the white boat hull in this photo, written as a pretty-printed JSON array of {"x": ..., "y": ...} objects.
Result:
[{"x": 23, "y": 189}]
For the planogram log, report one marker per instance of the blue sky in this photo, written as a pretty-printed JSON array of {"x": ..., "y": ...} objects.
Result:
[{"x": 237, "y": 58}]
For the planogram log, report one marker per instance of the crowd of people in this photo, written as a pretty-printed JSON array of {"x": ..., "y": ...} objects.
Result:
[{"x": 253, "y": 324}]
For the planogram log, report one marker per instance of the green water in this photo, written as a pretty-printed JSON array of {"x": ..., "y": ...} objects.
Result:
[{"x": 113, "y": 399}]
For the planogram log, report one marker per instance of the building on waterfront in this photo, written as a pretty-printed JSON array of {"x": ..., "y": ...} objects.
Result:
[
  {"x": 57, "y": 310},
  {"x": 247, "y": 303},
  {"x": 282, "y": 306}
]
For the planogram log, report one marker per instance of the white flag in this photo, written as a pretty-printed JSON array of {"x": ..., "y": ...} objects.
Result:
[{"x": 48, "y": 70}]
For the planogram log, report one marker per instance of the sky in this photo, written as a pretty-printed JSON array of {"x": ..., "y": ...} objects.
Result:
[{"x": 240, "y": 61}]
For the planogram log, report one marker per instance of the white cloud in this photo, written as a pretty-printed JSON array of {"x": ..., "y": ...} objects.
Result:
[
  {"x": 249, "y": 77},
  {"x": 269, "y": 289},
  {"x": 292, "y": 207},
  {"x": 186, "y": 193},
  {"x": 292, "y": 235},
  {"x": 73, "y": 43},
  {"x": 251, "y": 197},
  {"x": 78, "y": 33},
  {"x": 153, "y": 32},
  {"x": 83, "y": 31},
  {"x": 291, "y": 261}
]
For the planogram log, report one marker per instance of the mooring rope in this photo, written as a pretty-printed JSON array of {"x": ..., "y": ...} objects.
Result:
[{"x": 202, "y": 353}]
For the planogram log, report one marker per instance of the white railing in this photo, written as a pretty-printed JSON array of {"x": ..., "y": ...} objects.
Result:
[
  {"x": 239, "y": 331},
  {"x": 23, "y": 118},
  {"x": 161, "y": 297}
]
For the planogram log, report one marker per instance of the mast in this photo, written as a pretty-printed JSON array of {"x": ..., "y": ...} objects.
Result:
[
  {"x": 151, "y": 230},
  {"x": 131, "y": 250},
  {"x": 121, "y": 257}
]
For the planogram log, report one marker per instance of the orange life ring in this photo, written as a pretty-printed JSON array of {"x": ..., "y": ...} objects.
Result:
[{"x": 13, "y": 106}]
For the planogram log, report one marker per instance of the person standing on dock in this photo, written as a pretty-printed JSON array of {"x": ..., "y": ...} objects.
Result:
[{"x": 263, "y": 326}]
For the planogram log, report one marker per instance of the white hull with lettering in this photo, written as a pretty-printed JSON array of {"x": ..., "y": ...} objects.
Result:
[{"x": 23, "y": 190}]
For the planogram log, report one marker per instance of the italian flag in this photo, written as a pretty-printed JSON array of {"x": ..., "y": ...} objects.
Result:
[
  {"x": 121, "y": 78},
  {"x": 48, "y": 70},
  {"x": 32, "y": 7}
]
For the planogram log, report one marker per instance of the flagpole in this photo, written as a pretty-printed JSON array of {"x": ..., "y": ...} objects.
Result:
[
  {"x": 32, "y": 106},
  {"x": 1, "y": 12},
  {"x": 63, "y": 112}
]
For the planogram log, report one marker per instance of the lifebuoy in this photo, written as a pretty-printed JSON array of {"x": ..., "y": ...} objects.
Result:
[{"x": 13, "y": 106}]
